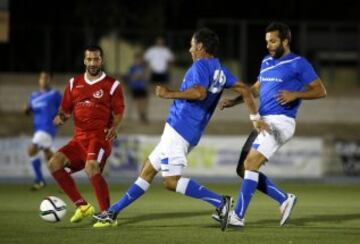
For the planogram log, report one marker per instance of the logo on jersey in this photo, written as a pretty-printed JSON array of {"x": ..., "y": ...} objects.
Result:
[
  {"x": 98, "y": 94},
  {"x": 270, "y": 79}
]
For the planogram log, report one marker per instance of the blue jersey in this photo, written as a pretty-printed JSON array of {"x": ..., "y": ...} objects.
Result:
[
  {"x": 291, "y": 73},
  {"x": 137, "y": 77},
  {"x": 45, "y": 105},
  {"x": 190, "y": 117}
]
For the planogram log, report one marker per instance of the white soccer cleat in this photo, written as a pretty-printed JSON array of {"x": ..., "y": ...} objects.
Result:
[
  {"x": 286, "y": 208},
  {"x": 235, "y": 220},
  {"x": 216, "y": 217}
]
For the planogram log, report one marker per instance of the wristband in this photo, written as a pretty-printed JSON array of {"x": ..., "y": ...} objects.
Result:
[{"x": 255, "y": 117}]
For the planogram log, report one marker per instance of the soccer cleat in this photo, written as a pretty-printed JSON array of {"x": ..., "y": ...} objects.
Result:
[
  {"x": 105, "y": 219},
  {"x": 82, "y": 212},
  {"x": 215, "y": 216},
  {"x": 38, "y": 186},
  {"x": 286, "y": 208},
  {"x": 235, "y": 220},
  {"x": 223, "y": 212}
]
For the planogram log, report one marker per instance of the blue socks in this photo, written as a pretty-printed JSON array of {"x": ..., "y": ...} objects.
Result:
[
  {"x": 248, "y": 187},
  {"x": 134, "y": 192},
  {"x": 267, "y": 187},
  {"x": 193, "y": 189},
  {"x": 36, "y": 164}
]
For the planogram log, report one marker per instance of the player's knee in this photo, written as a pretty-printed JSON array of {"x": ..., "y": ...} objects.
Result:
[
  {"x": 32, "y": 150},
  {"x": 48, "y": 154},
  {"x": 148, "y": 172},
  {"x": 251, "y": 164},
  {"x": 56, "y": 162},
  {"x": 170, "y": 183},
  {"x": 92, "y": 167}
]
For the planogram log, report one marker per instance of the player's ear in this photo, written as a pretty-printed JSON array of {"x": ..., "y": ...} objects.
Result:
[
  {"x": 199, "y": 46},
  {"x": 285, "y": 42}
]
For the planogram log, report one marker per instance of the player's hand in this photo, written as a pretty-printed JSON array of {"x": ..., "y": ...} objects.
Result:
[
  {"x": 284, "y": 97},
  {"x": 226, "y": 103},
  {"x": 111, "y": 133},
  {"x": 261, "y": 126},
  {"x": 58, "y": 120},
  {"x": 27, "y": 110},
  {"x": 162, "y": 91}
]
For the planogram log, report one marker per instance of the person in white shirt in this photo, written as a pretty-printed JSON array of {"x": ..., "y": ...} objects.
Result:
[{"x": 159, "y": 57}]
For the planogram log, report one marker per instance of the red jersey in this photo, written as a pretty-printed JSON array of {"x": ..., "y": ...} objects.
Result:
[{"x": 92, "y": 104}]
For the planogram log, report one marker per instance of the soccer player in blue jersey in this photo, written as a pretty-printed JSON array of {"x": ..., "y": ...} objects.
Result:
[
  {"x": 284, "y": 80},
  {"x": 190, "y": 112},
  {"x": 44, "y": 105}
]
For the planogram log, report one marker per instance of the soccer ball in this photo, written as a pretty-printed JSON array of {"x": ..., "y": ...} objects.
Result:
[{"x": 52, "y": 209}]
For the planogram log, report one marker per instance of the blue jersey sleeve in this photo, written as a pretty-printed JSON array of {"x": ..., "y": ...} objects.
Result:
[
  {"x": 230, "y": 78},
  {"x": 31, "y": 98},
  {"x": 307, "y": 73},
  {"x": 200, "y": 75}
]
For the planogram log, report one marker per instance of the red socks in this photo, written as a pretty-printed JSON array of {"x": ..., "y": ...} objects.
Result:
[
  {"x": 67, "y": 184},
  {"x": 101, "y": 190}
]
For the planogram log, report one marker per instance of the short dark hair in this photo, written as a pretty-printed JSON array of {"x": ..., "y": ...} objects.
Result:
[
  {"x": 94, "y": 48},
  {"x": 208, "y": 38},
  {"x": 282, "y": 28},
  {"x": 48, "y": 72}
]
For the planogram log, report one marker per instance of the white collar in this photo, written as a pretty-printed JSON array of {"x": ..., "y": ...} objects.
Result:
[{"x": 92, "y": 82}]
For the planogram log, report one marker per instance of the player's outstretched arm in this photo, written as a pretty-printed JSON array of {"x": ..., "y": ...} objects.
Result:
[
  {"x": 193, "y": 93},
  {"x": 228, "y": 103}
]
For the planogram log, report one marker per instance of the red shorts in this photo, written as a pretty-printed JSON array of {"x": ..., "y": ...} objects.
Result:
[{"x": 79, "y": 152}]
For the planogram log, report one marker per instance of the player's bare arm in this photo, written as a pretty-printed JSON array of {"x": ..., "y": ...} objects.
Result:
[
  {"x": 228, "y": 103},
  {"x": 193, "y": 93},
  {"x": 61, "y": 118},
  {"x": 314, "y": 90},
  {"x": 112, "y": 132},
  {"x": 249, "y": 100}
]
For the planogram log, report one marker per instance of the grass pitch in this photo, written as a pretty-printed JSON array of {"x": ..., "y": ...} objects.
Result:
[{"x": 324, "y": 214}]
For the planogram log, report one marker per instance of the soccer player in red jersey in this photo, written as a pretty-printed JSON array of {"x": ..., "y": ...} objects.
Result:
[{"x": 96, "y": 103}]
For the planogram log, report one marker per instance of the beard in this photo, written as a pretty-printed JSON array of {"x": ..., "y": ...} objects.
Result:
[
  {"x": 279, "y": 52},
  {"x": 93, "y": 71}
]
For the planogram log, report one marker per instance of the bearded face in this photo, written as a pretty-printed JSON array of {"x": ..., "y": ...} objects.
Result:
[
  {"x": 274, "y": 44},
  {"x": 93, "y": 62}
]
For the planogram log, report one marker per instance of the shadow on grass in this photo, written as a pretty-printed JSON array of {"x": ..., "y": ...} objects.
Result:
[
  {"x": 148, "y": 217},
  {"x": 323, "y": 218},
  {"x": 161, "y": 216},
  {"x": 305, "y": 222}
]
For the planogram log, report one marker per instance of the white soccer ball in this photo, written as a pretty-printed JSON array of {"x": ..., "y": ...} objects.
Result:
[{"x": 52, "y": 209}]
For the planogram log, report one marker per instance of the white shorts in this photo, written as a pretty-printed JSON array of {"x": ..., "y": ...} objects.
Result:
[
  {"x": 283, "y": 129},
  {"x": 169, "y": 155},
  {"x": 42, "y": 139}
]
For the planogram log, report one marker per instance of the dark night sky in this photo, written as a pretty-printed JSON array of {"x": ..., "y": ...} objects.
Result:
[
  {"x": 176, "y": 14},
  {"x": 34, "y": 24}
]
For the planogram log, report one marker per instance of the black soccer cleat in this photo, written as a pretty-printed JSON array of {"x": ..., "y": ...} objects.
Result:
[{"x": 223, "y": 212}]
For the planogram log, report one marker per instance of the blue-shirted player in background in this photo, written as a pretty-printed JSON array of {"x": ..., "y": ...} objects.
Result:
[
  {"x": 190, "y": 112},
  {"x": 43, "y": 104},
  {"x": 284, "y": 80}
]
